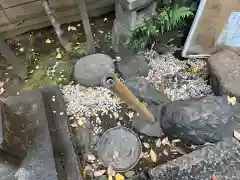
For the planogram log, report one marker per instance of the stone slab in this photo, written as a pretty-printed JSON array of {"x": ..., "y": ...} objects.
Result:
[
  {"x": 39, "y": 162},
  {"x": 65, "y": 157},
  {"x": 221, "y": 160},
  {"x": 225, "y": 73}
]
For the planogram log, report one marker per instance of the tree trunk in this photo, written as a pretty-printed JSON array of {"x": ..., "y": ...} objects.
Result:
[
  {"x": 86, "y": 24},
  {"x": 57, "y": 26}
]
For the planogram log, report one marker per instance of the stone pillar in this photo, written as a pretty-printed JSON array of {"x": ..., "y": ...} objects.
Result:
[
  {"x": 13, "y": 137},
  {"x": 130, "y": 14}
]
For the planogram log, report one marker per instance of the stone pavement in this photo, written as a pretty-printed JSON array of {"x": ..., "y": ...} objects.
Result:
[{"x": 50, "y": 154}]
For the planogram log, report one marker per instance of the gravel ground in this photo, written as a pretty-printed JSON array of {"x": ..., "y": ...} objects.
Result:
[
  {"x": 103, "y": 110},
  {"x": 182, "y": 80}
]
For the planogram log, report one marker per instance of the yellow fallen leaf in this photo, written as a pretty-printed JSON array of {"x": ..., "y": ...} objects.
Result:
[
  {"x": 153, "y": 155},
  {"x": 59, "y": 56},
  {"x": 232, "y": 100},
  {"x": 81, "y": 121},
  {"x": 196, "y": 69},
  {"x": 84, "y": 173},
  {"x": 119, "y": 177},
  {"x": 74, "y": 125},
  {"x": 48, "y": 41},
  {"x": 110, "y": 178}
]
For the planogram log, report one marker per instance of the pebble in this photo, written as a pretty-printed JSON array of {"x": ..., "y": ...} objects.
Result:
[{"x": 129, "y": 174}]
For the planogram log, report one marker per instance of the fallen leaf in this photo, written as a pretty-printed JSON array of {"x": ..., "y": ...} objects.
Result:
[
  {"x": 176, "y": 140},
  {"x": 99, "y": 173},
  {"x": 74, "y": 125},
  {"x": 81, "y": 121},
  {"x": 153, "y": 155},
  {"x": 21, "y": 49},
  {"x": 90, "y": 157},
  {"x": 110, "y": 178},
  {"x": 165, "y": 141},
  {"x": 101, "y": 32},
  {"x": 73, "y": 28},
  {"x": 236, "y": 134},
  {"x": 146, "y": 145},
  {"x": 84, "y": 173},
  {"x": 110, "y": 171},
  {"x": 165, "y": 152},
  {"x": 129, "y": 174},
  {"x": 158, "y": 142},
  {"x": 48, "y": 41},
  {"x": 232, "y": 100},
  {"x": 119, "y": 177},
  {"x": 59, "y": 56},
  {"x": 2, "y": 90},
  {"x": 196, "y": 69}
]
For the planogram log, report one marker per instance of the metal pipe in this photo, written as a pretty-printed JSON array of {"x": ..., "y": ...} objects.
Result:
[{"x": 113, "y": 83}]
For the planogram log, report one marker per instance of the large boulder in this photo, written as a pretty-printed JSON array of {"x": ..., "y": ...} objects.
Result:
[
  {"x": 225, "y": 73},
  {"x": 209, "y": 119},
  {"x": 89, "y": 69}
]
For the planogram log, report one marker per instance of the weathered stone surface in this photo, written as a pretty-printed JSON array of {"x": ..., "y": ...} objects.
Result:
[
  {"x": 221, "y": 160},
  {"x": 134, "y": 18},
  {"x": 66, "y": 160},
  {"x": 146, "y": 91},
  {"x": 225, "y": 73},
  {"x": 89, "y": 69},
  {"x": 120, "y": 35},
  {"x": 39, "y": 162},
  {"x": 135, "y": 65},
  {"x": 134, "y": 4},
  {"x": 209, "y": 119},
  {"x": 13, "y": 135}
]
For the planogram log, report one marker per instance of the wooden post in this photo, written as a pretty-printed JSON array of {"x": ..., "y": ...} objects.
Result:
[
  {"x": 87, "y": 28},
  {"x": 19, "y": 68},
  {"x": 57, "y": 26}
]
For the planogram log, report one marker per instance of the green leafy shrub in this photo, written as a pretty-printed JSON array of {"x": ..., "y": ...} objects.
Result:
[{"x": 167, "y": 18}]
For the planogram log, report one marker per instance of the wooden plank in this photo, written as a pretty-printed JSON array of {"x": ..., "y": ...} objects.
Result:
[
  {"x": 3, "y": 18},
  {"x": 11, "y": 3},
  {"x": 71, "y": 15},
  {"x": 87, "y": 29},
  {"x": 213, "y": 20}
]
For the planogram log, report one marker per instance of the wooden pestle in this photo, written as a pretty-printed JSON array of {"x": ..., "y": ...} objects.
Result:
[{"x": 112, "y": 82}]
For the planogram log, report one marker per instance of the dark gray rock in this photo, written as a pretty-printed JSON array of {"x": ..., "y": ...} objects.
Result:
[
  {"x": 146, "y": 91},
  {"x": 225, "y": 73},
  {"x": 221, "y": 160},
  {"x": 134, "y": 66},
  {"x": 209, "y": 119},
  {"x": 89, "y": 69}
]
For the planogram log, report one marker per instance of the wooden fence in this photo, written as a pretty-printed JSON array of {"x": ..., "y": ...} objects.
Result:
[{"x": 19, "y": 16}]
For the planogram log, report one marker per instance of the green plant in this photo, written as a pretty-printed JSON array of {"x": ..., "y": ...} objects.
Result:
[{"x": 167, "y": 18}]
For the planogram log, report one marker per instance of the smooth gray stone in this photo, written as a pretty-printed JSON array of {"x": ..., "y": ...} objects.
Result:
[{"x": 89, "y": 70}]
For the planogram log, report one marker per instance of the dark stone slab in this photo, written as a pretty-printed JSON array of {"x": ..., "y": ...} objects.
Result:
[
  {"x": 225, "y": 73},
  {"x": 146, "y": 91},
  {"x": 39, "y": 162},
  {"x": 13, "y": 133},
  {"x": 65, "y": 157},
  {"x": 221, "y": 160},
  {"x": 131, "y": 66},
  {"x": 209, "y": 119}
]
